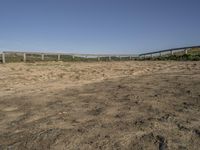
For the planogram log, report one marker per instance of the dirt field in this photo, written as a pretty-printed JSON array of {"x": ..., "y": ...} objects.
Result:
[{"x": 100, "y": 105}]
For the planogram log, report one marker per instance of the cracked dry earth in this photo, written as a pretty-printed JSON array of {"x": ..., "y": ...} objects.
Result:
[{"x": 100, "y": 105}]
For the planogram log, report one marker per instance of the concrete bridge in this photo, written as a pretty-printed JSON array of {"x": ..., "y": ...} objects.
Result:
[
  {"x": 99, "y": 56},
  {"x": 167, "y": 51},
  {"x": 73, "y": 55}
]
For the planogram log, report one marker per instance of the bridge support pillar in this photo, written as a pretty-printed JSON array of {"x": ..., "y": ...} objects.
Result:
[
  {"x": 42, "y": 56},
  {"x": 24, "y": 57},
  {"x": 3, "y": 58},
  {"x": 186, "y": 51},
  {"x": 171, "y": 52},
  {"x": 58, "y": 57}
]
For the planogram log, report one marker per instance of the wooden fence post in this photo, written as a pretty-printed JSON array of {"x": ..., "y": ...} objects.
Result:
[{"x": 110, "y": 58}]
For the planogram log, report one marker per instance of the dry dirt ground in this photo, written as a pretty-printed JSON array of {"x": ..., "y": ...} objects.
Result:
[{"x": 100, "y": 105}]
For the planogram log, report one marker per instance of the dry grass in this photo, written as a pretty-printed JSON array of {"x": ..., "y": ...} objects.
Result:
[{"x": 100, "y": 105}]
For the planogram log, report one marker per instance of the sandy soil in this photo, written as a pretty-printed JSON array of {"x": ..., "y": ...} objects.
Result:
[{"x": 100, "y": 105}]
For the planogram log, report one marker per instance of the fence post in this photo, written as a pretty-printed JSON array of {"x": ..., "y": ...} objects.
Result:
[
  {"x": 58, "y": 57},
  {"x": 24, "y": 57},
  {"x": 130, "y": 58},
  {"x": 98, "y": 58},
  {"x": 110, "y": 58},
  {"x": 3, "y": 58}
]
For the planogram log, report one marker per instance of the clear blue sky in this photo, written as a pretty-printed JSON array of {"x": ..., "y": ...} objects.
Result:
[{"x": 98, "y": 26}]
